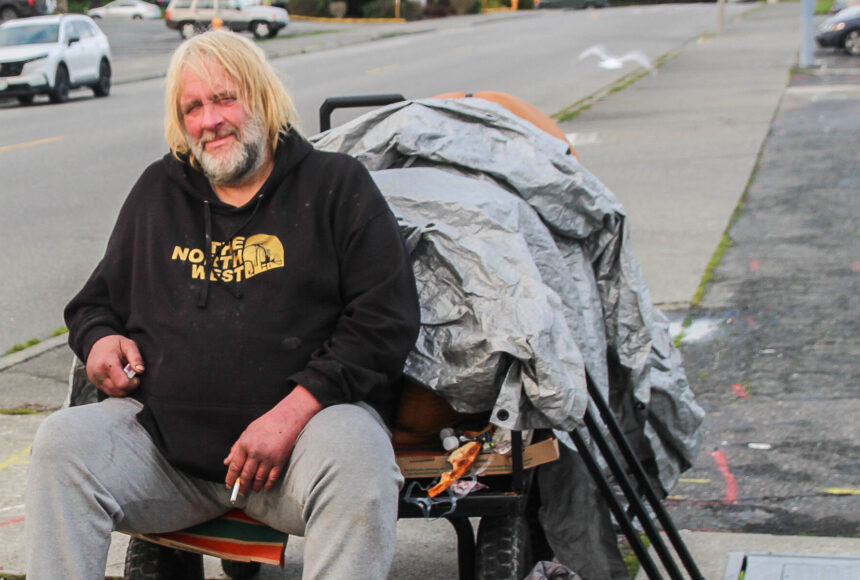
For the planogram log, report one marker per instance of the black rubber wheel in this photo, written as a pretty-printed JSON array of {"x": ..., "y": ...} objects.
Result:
[
  {"x": 261, "y": 29},
  {"x": 188, "y": 30},
  {"x": 851, "y": 44},
  {"x": 60, "y": 92},
  {"x": 240, "y": 570},
  {"x": 147, "y": 561},
  {"x": 102, "y": 86},
  {"x": 8, "y": 13},
  {"x": 503, "y": 548}
]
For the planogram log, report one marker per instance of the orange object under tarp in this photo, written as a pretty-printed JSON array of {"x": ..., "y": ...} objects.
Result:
[
  {"x": 519, "y": 108},
  {"x": 461, "y": 461}
]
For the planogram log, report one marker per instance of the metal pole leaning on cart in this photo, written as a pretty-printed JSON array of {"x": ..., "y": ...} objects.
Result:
[
  {"x": 645, "y": 486},
  {"x": 614, "y": 505},
  {"x": 635, "y": 504},
  {"x": 631, "y": 494}
]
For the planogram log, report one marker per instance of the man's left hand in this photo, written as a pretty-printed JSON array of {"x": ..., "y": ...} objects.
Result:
[{"x": 261, "y": 453}]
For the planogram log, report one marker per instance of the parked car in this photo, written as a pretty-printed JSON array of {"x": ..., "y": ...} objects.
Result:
[
  {"x": 133, "y": 9},
  {"x": 190, "y": 17},
  {"x": 51, "y": 55},
  {"x": 12, "y": 9},
  {"x": 577, "y": 4},
  {"x": 842, "y": 30}
]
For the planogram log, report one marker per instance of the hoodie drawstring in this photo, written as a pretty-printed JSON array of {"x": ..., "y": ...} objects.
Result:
[
  {"x": 209, "y": 256},
  {"x": 203, "y": 298}
]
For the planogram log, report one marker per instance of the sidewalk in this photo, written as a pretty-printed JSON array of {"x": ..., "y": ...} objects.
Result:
[{"x": 696, "y": 127}]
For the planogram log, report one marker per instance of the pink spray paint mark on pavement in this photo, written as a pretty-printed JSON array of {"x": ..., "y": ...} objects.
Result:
[
  {"x": 755, "y": 265},
  {"x": 10, "y": 522},
  {"x": 740, "y": 391},
  {"x": 731, "y": 483}
]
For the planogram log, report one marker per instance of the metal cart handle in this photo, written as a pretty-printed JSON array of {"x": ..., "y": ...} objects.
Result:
[{"x": 332, "y": 103}]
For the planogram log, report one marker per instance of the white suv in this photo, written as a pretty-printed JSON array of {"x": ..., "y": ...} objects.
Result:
[
  {"x": 51, "y": 55},
  {"x": 190, "y": 17}
]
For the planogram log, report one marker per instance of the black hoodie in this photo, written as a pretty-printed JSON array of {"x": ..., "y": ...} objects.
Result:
[{"x": 308, "y": 283}]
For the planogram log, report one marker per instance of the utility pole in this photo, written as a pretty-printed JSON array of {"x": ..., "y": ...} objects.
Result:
[
  {"x": 721, "y": 9},
  {"x": 806, "y": 31}
]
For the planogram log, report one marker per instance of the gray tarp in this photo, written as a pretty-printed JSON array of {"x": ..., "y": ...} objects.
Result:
[{"x": 544, "y": 277}]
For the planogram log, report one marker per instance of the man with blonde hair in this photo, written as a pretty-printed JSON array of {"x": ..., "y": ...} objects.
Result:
[{"x": 248, "y": 322}]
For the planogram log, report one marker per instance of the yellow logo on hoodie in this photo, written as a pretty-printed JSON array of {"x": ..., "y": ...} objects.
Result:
[{"x": 234, "y": 261}]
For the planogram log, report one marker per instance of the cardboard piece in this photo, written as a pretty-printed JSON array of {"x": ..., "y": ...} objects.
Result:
[{"x": 432, "y": 465}]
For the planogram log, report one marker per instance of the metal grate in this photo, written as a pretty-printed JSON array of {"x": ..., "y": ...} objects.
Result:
[{"x": 766, "y": 566}]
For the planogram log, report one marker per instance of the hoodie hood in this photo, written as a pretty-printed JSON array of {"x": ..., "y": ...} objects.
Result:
[{"x": 292, "y": 148}]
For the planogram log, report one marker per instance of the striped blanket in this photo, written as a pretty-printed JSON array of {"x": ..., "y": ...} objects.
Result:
[{"x": 233, "y": 536}]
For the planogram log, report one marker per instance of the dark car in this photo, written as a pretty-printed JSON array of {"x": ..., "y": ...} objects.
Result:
[
  {"x": 842, "y": 30},
  {"x": 11, "y": 9}
]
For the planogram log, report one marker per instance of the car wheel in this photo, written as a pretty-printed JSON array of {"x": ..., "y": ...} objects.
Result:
[
  {"x": 261, "y": 29},
  {"x": 102, "y": 86},
  {"x": 26, "y": 99},
  {"x": 8, "y": 13},
  {"x": 851, "y": 44},
  {"x": 137, "y": 17},
  {"x": 60, "y": 92},
  {"x": 187, "y": 30}
]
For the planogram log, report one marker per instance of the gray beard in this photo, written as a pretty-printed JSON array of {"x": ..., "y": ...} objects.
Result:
[{"x": 246, "y": 158}]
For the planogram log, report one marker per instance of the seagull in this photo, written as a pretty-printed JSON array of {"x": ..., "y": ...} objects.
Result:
[{"x": 610, "y": 62}]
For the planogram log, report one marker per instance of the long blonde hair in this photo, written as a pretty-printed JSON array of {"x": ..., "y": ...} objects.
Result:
[{"x": 259, "y": 88}]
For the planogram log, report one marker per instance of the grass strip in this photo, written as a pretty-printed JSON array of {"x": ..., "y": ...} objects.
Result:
[{"x": 33, "y": 342}]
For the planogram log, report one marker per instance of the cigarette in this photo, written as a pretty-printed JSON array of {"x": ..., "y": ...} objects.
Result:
[
  {"x": 129, "y": 372},
  {"x": 235, "y": 493}
]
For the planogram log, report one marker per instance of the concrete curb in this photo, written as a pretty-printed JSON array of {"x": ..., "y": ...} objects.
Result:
[{"x": 10, "y": 360}]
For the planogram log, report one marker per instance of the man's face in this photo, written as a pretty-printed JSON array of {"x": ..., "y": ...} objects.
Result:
[{"x": 229, "y": 143}]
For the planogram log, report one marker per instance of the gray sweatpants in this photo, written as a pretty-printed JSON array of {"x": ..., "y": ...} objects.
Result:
[{"x": 94, "y": 469}]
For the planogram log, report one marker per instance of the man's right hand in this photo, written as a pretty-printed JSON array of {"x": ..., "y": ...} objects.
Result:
[{"x": 106, "y": 361}]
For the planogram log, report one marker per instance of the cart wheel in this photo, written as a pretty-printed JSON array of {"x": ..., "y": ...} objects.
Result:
[
  {"x": 240, "y": 570},
  {"x": 147, "y": 561},
  {"x": 504, "y": 548}
]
